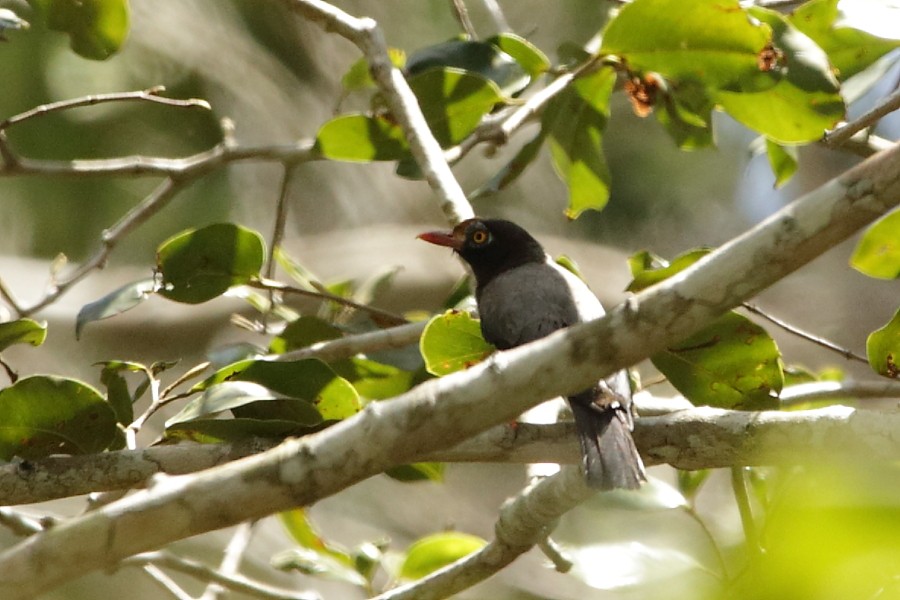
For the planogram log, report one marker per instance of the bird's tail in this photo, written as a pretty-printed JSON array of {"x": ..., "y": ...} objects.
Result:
[{"x": 609, "y": 457}]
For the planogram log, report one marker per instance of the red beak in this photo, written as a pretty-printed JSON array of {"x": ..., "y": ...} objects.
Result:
[{"x": 442, "y": 238}]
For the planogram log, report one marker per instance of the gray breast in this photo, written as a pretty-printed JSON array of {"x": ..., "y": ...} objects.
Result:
[{"x": 532, "y": 301}]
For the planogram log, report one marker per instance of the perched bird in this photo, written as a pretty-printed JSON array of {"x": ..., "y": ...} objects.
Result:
[{"x": 522, "y": 296}]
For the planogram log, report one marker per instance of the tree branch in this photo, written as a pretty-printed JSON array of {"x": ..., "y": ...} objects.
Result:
[
  {"x": 524, "y": 521},
  {"x": 696, "y": 438},
  {"x": 441, "y": 413},
  {"x": 367, "y": 36}
]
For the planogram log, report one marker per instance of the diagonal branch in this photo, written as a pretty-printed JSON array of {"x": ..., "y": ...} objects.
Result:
[
  {"x": 441, "y": 413},
  {"x": 404, "y": 106}
]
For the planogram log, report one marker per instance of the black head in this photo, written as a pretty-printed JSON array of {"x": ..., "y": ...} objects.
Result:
[{"x": 490, "y": 246}]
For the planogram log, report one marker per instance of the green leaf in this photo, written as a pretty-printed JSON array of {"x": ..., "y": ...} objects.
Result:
[
  {"x": 430, "y": 471},
  {"x": 226, "y": 396},
  {"x": 44, "y": 415},
  {"x": 523, "y": 52},
  {"x": 358, "y": 77},
  {"x": 714, "y": 42},
  {"x": 451, "y": 342},
  {"x": 200, "y": 264},
  {"x": 374, "y": 380},
  {"x": 805, "y": 100},
  {"x": 303, "y": 332},
  {"x": 648, "y": 269},
  {"x": 299, "y": 526},
  {"x": 310, "y": 380},
  {"x": 310, "y": 562},
  {"x": 218, "y": 431},
  {"x": 97, "y": 28},
  {"x": 123, "y": 299},
  {"x": 730, "y": 364},
  {"x": 783, "y": 160},
  {"x": 574, "y": 122},
  {"x": 479, "y": 58},
  {"x": 689, "y": 482},
  {"x": 883, "y": 348},
  {"x": 430, "y": 553},
  {"x": 117, "y": 393},
  {"x": 22, "y": 331},
  {"x": 849, "y": 50},
  {"x": 361, "y": 138},
  {"x": 511, "y": 170},
  {"x": 877, "y": 253},
  {"x": 686, "y": 114},
  {"x": 454, "y": 101}
]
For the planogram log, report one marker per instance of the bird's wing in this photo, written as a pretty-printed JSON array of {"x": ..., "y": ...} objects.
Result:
[{"x": 527, "y": 303}]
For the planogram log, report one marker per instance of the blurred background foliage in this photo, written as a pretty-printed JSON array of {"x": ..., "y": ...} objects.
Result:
[{"x": 828, "y": 533}]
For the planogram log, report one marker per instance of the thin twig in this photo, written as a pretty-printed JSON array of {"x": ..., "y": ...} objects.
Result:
[
  {"x": 166, "y": 582},
  {"x": 231, "y": 561},
  {"x": 462, "y": 16},
  {"x": 838, "y": 136},
  {"x": 493, "y": 8},
  {"x": 556, "y": 554},
  {"x": 18, "y": 523},
  {"x": 377, "y": 313},
  {"x": 280, "y": 218},
  {"x": 148, "y": 95},
  {"x": 237, "y": 583},
  {"x": 846, "y": 353}
]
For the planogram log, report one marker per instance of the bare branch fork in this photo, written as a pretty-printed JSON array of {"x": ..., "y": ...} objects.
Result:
[{"x": 444, "y": 412}]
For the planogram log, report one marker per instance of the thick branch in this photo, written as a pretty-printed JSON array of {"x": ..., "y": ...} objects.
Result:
[
  {"x": 697, "y": 438},
  {"x": 441, "y": 413}
]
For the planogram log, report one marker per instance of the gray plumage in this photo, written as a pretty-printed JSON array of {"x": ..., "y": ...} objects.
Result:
[{"x": 523, "y": 296}]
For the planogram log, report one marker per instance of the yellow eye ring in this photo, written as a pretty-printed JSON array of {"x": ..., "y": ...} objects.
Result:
[{"x": 480, "y": 236}]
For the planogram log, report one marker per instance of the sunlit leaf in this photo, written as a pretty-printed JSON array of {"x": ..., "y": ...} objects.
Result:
[
  {"x": 730, "y": 364},
  {"x": 43, "y": 415},
  {"x": 435, "y": 551},
  {"x": 454, "y": 102},
  {"x": 648, "y": 269},
  {"x": 849, "y": 50},
  {"x": 310, "y": 562},
  {"x": 117, "y": 393},
  {"x": 714, "y": 42},
  {"x": 430, "y": 471},
  {"x": 529, "y": 56},
  {"x": 303, "y": 332},
  {"x": 97, "y": 28},
  {"x": 783, "y": 160},
  {"x": 358, "y": 77},
  {"x": 200, "y": 264},
  {"x": 805, "y": 100},
  {"x": 482, "y": 58},
  {"x": 831, "y": 533},
  {"x": 361, "y": 138},
  {"x": 123, "y": 299},
  {"x": 298, "y": 525},
  {"x": 22, "y": 331},
  {"x": 883, "y": 348},
  {"x": 574, "y": 122},
  {"x": 877, "y": 253},
  {"x": 451, "y": 342}
]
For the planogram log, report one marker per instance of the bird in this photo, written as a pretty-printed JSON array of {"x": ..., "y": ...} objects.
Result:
[{"x": 523, "y": 295}]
